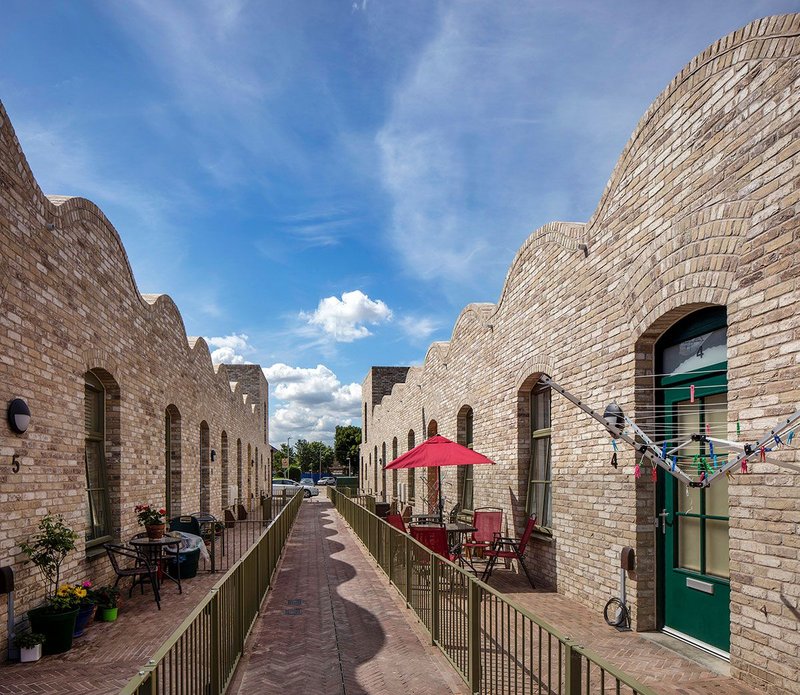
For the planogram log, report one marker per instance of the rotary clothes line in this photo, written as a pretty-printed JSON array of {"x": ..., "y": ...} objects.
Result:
[{"x": 616, "y": 423}]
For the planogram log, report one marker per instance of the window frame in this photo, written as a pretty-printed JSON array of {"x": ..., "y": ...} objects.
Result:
[
  {"x": 97, "y": 438},
  {"x": 543, "y": 525}
]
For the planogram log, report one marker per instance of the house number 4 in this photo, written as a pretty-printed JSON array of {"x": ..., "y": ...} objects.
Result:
[{"x": 15, "y": 463}]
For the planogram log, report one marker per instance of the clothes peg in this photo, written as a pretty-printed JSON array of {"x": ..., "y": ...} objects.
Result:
[
  {"x": 674, "y": 463},
  {"x": 637, "y": 471},
  {"x": 664, "y": 450},
  {"x": 691, "y": 394},
  {"x": 744, "y": 465},
  {"x": 738, "y": 429},
  {"x": 614, "y": 444},
  {"x": 654, "y": 475},
  {"x": 763, "y": 454},
  {"x": 790, "y": 437},
  {"x": 778, "y": 440},
  {"x": 708, "y": 429}
]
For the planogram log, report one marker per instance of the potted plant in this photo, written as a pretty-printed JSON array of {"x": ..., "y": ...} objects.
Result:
[
  {"x": 152, "y": 519},
  {"x": 47, "y": 550},
  {"x": 86, "y": 606},
  {"x": 106, "y": 599},
  {"x": 30, "y": 646}
]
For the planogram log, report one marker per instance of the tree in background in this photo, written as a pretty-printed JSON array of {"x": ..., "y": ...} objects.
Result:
[
  {"x": 294, "y": 473},
  {"x": 309, "y": 455},
  {"x": 346, "y": 441}
]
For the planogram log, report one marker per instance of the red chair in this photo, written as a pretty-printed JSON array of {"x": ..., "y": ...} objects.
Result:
[
  {"x": 488, "y": 521},
  {"x": 510, "y": 549},
  {"x": 397, "y": 521},
  {"x": 434, "y": 538}
]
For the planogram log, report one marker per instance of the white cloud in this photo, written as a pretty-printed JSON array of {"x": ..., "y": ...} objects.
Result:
[
  {"x": 230, "y": 349},
  {"x": 419, "y": 327},
  {"x": 309, "y": 402},
  {"x": 343, "y": 319}
]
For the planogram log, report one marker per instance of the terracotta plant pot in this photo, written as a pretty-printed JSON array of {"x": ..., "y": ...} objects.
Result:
[
  {"x": 155, "y": 531},
  {"x": 107, "y": 615},
  {"x": 29, "y": 654}
]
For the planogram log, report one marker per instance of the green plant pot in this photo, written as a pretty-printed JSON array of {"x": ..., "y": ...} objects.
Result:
[
  {"x": 107, "y": 615},
  {"x": 56, "y": 627}
]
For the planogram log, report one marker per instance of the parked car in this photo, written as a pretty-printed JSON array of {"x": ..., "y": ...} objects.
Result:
[
  {"x": 327, "y": 480},
  {"x": 306, "y": 481},
  {"x": 291, "y": 487}
]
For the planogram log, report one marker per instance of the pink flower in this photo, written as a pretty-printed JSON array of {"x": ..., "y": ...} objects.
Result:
[
  {"x": 162, "y": 511},
  {"x": 87, "y": 584}
]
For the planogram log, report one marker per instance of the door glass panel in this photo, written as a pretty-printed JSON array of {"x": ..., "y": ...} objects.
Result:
[
  {"x": 696, "y": 353},
  {"x": 717, "y": 548},
  {"x": 689, "y": 543}
]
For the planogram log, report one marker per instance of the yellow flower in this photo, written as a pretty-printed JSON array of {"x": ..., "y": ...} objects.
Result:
[{"x": 80, "y": 592}]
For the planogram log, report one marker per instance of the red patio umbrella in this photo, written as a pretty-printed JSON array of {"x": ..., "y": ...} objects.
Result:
[{"x": 436, "y": 452}]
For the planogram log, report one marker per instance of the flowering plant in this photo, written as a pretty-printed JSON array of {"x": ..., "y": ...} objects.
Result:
[
  {"x": 148, "y": 516},
  {"x": 106, "y": 596},
  {"x": 69, "y": 597}
]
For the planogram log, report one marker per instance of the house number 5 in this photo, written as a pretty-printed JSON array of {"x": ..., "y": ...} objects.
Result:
[{"x": 15, "y": 463}]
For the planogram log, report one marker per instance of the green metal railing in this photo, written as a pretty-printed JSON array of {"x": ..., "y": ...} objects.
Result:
[
  {"x": 201, "y": 655},
  {"x": 497, "y": 646}
]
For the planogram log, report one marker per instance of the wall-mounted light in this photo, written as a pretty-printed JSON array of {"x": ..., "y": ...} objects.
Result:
[
  {"x": 615, "y": 419},
  {"x": 19, "y": 416},
  {"x": 213, "y": 455}
]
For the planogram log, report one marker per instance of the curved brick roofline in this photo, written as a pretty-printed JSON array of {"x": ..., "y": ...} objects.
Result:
[
  {"x": 16, "y": 174},
  {"x": 578, "y": 236}
]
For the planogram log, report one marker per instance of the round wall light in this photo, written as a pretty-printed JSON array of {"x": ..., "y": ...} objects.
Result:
[{"x": 19, "y": 416}]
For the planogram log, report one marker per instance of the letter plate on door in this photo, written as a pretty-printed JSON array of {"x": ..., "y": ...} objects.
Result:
[{"x": 705, "y": 587}]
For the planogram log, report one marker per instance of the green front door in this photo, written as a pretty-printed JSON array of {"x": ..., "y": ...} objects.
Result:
[{"x": 693, "y": 533}]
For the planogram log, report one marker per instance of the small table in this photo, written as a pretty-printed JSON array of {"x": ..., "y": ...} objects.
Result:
[{"x": 153, "y": 549}]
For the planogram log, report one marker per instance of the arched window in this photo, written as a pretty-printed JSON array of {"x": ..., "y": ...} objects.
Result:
[
  {"x": 101, "y": 456},
  {"x": 412, "y": 491},
  {"x": 432, "y": 475},
  {"x": 239, "y": 491},
  {"x": 394, "y": 472},
  {"x": 255, "y": 472},
  {"x": 433, "y": 428},
  {"x": 172, "y": 456},
  {"x": 249, "y": 465},
  {"x": 534, "y": 448},
  {"x": 383, "y": 471},
  {"x": 205, "y": 468},
  {"x": 226, "y": 481},
  {"x": 365, "y": 422},
  {"x": 465, "y": 473},
  {"x": 375, "y": 471}
]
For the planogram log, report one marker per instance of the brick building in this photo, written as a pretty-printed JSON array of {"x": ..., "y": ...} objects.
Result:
[
  {"x": 684, "y": 281},
  {"x": 125, "y": 409}
]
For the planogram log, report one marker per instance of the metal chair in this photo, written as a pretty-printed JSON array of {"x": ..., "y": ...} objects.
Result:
[
  {"x": 514, "y": 550},
  {"x": 397, "y": 521},
  {"x": 434, "y": 538},
  {"x": 489, "y": 522},
  {"x": 141, "y": 568}
]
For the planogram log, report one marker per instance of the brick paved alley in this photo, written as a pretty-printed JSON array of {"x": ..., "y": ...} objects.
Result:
[{"x": 333, "y": 626}]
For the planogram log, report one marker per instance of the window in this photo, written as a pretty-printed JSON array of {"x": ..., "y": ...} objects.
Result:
[
  {"x": 539, "y": 480},
  {"x": 411, "y": 480},
  {"x": 465, "y": 473},
  {"x": 98, "y": 510}
]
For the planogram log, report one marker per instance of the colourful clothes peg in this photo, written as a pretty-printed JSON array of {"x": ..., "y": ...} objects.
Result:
[
  {"x": 763, "y": 454},
  {"x": 744, "y": 465},
  {"x": 714, "y": 460},
  {"x": 664, "y": 451},
  {"x": 708, "y": 429},
  {"x": 691, "y": 394},
  {"x": 674, "y": 462},
  {"x": 790, "y": 437},
  {"x": 729, "y": 475},
  {"x": 777, "y": 439},
  {"x": 637, "y": 471},
  {"x": 711, "y": 448},
  {"x": 614, "y": 444},
  {"x": 654, "y": 475},
  {"x": 738, "y": 429}
]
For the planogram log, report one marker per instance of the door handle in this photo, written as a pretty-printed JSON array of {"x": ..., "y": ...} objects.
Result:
[{"x": 661, "y": 519}]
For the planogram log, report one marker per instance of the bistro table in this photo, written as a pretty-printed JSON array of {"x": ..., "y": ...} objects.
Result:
[{"x": 153, "y": 549}]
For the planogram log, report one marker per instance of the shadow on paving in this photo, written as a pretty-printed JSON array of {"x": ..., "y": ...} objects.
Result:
[{"x": 330, "y": 625}]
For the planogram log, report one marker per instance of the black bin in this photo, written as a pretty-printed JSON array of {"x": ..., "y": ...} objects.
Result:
[{"x": 382, "y": 509}]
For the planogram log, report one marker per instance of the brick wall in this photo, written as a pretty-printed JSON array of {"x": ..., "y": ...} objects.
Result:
[
  {"x": 70, "y": 304},
  {"x": 701, "y": 209}
]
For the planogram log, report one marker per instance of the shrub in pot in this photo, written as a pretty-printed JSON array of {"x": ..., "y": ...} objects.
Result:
[
  {"x": 47, "y": 551},
  {"x": 30, "y": 646}
]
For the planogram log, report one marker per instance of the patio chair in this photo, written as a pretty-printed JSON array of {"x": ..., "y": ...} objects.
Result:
[
  {"x": 454, "y": 512},
  {"x": 241, "y": 512},
  {"x": 435, "y": 539},
  {"x": 397, "y": 521},
  {"x": 230, "y": 519},
  {"x": 510, "y": 549},
  {"x": 141, "y": 568},
  {"x": 489, "y": 522},
  {"x": 407, "y": 513}
]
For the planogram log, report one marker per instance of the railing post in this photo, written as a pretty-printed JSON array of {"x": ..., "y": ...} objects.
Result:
[
  {"x": 215, "y": 630},
  {"x": 434, "y": 598},
  {"x": 390, "y": 563},
  {"x": 474, "y": 636},
  {"x": 409, "y": 571},
  {"x": 572, "y": 666}
]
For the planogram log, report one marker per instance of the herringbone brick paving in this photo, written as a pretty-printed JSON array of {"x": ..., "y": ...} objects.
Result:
[
  {"x": 108, "y": 655},
  {"x": 333, "y": 626}
]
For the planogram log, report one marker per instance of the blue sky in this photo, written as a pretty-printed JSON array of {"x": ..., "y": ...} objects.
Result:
[{"x": 322, "y": 185}]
